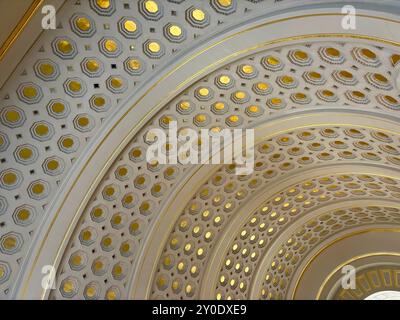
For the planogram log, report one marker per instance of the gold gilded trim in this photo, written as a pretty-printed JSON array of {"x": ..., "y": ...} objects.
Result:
[
  {"x": 20, "y": 27},
  {"x": 173, "y": 93},
  {"x": 319, "y": 252}
]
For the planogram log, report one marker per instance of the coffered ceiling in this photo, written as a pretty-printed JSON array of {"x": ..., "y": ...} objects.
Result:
[{"x": 78, "y": 196}]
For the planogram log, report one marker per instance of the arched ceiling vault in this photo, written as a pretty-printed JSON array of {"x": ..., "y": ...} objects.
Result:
[{"x": 78, "y": 194}]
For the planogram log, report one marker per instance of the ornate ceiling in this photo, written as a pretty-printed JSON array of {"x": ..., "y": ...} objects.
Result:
[{"x": 78, "y": 194}]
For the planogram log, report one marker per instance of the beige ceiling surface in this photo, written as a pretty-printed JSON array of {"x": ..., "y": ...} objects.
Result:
[{"x": 11, "y": 12}]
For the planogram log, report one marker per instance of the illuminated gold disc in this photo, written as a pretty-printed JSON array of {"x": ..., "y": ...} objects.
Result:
[
  {"x": 104, "y": 4},
  {"x": 175, "y": 30},
  {"x": 154, "y": 47},
  {"x": 83, "y": 24},
  {"x": 198, "y": 14},
  {"x": 130, "y": 26},
  {"x": 151, "y": 6},
  {"x": 110, "y": 45}
]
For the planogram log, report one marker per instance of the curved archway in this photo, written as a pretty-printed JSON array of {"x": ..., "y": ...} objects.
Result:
[{"x": 81, "y": 155}]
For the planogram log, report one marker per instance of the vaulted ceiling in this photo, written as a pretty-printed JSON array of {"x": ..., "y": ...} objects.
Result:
[{"x": 78, "y": 195}]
